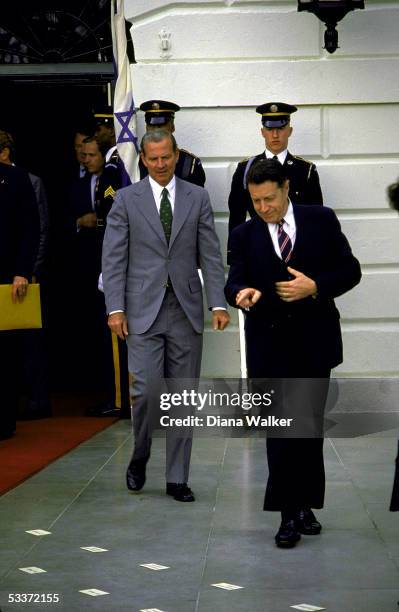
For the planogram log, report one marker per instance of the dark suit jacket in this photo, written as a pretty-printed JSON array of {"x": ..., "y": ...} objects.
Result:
[
  {"x": 19, "y": 226},
  {"x": 304, "y": 187},
  {"x": 291, "y": 339},
  {"x": 80, "y": 197}
]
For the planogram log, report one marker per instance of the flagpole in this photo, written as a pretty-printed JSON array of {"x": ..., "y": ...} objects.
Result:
[{"x": 123, "y": 104}]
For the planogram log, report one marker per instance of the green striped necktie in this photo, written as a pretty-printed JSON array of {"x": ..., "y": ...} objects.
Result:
[{"x": 165, "y": 213}]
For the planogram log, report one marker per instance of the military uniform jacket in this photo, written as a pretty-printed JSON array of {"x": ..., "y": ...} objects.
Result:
[
  {"x": 304, "y": 186},
  {"x": 113, "y": 177},
  {"x": 188, "y": 167}
]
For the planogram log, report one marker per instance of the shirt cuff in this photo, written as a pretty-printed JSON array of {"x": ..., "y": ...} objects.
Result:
[
  {"x": 114, "y": 312},
  {"x": 218, "y": 308}
]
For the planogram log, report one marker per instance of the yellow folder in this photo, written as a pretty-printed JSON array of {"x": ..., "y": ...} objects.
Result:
[{"x": 21, "y": 315}]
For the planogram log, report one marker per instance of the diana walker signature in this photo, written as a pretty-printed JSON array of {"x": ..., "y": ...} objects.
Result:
[{"x": 218, "y": 421}]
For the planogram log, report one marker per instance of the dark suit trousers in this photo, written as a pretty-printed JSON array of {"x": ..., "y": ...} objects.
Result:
[
  {"x": 35, "y": 362},
  {"x": 295, "y": 459},
  {"x": 171, "y": 350},
  {"x": 10, "y": 350}
]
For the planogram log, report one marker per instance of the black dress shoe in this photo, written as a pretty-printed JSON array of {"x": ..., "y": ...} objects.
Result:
[
  {"x": 307, "y": 523},
  {"x": 180, "y": 491},
  {"x": 135, "y": 474},
  {"x": 287, "y": 535},
  {"x": 103, "y": 410}
]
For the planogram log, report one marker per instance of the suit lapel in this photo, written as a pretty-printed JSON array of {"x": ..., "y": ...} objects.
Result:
[
  {"x": 299, "y": 235},
  {"x": 271, "y": 267},
  {"x": 262, "y": 237},
  {"x": 146, "y": 205},
  {"x": 184, "y": 201}
]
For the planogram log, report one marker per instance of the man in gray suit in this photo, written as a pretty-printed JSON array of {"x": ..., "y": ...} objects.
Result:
[{"x": 156, "y": 229}]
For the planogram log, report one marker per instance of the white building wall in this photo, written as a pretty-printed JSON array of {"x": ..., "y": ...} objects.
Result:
[{"x": 225, "y": 58}]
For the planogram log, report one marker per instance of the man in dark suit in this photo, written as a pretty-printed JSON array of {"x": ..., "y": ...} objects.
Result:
[
  {"x": 19, "y": 237},
  {"x": 81, "y": 132},
  {"x": 33, "y": 342},
  {"x": 160, "y": 114},
  {"x": 288, "y": 264},
  {"x": 155, "y": 231},
  {"x": 302, "y": 174}
]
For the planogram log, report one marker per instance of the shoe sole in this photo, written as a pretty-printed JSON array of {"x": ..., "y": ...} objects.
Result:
[
  {"x": 135, "y": 490},
  {"x": 288, "y": 543}
]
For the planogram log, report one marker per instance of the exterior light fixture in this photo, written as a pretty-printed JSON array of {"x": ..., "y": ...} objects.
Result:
[{"x": 330, "y": 12}]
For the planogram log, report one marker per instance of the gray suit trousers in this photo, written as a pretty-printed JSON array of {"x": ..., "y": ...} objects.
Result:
[{"x": 170, "y": 349}]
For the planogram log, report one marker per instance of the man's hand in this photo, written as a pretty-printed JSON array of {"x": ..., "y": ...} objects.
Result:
[
  {"x": 247, "y": 297},
  {"x": 19, "y": 288},
  {"x": 88, "y": 220},
  {"x": 297, "y": 289},
  {"x": 117, "y": 322},
  {"x": 220, "y": 319}
]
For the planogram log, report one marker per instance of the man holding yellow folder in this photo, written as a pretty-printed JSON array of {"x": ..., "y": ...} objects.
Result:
[{"x": 19, "y": 234}]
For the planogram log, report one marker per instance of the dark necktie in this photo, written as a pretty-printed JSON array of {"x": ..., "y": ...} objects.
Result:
[
  {"x": 284, "y": 242},
  {"x": 165, "y": 213},
  {"x": 275, "y": 157}
]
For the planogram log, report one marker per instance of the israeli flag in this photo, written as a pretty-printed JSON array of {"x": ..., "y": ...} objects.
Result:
[{"x": 124, "y": 109}]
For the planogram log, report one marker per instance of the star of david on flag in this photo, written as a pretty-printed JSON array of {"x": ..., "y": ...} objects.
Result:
[{"x": 124, "y": 108}]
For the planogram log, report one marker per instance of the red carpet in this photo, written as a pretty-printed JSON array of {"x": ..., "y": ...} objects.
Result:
[{"x": 38, "y": 443}]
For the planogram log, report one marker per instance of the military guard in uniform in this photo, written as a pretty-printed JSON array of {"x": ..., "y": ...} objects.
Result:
[
  {"x": 161, "y": 114},
  {"x": 302, "y": 174},
  {"x": 113, "y": 177}
]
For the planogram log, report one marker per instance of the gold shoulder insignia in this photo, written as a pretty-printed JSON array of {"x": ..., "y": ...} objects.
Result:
[
  {"x": 303, "y": 159},
  {"x": 188, "y": 153},
  {"x": 110, "y": 192}
]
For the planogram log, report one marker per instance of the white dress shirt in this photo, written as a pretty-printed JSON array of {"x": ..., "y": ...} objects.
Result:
[
  {"x": 289, "y": 227},
  {"x": 157, "y": 190},
  {"x": 281, "y": 156}
]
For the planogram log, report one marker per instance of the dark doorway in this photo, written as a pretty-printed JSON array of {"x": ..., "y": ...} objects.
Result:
[{"x": 42, "y": 117}]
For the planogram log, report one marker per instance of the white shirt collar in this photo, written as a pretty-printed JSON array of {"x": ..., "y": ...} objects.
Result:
[
  {"x": 281, "y": 156},
  {"x": 289, "y": 219},
  {"x": 289, "y": 215},
  {"x": 157, "y": 189}
]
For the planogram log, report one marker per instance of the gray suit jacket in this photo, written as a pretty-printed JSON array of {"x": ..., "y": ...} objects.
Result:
[{"x": 137, "y": 260}]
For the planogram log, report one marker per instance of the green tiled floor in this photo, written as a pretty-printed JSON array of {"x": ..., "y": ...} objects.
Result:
[{"x": 353, "y": 566}]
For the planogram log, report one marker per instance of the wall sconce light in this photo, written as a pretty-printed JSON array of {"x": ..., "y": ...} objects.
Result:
[{"x": 330, "y": 12}]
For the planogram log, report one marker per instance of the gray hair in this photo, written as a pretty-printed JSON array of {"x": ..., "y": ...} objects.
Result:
[{"x": 157, "y": 136}]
